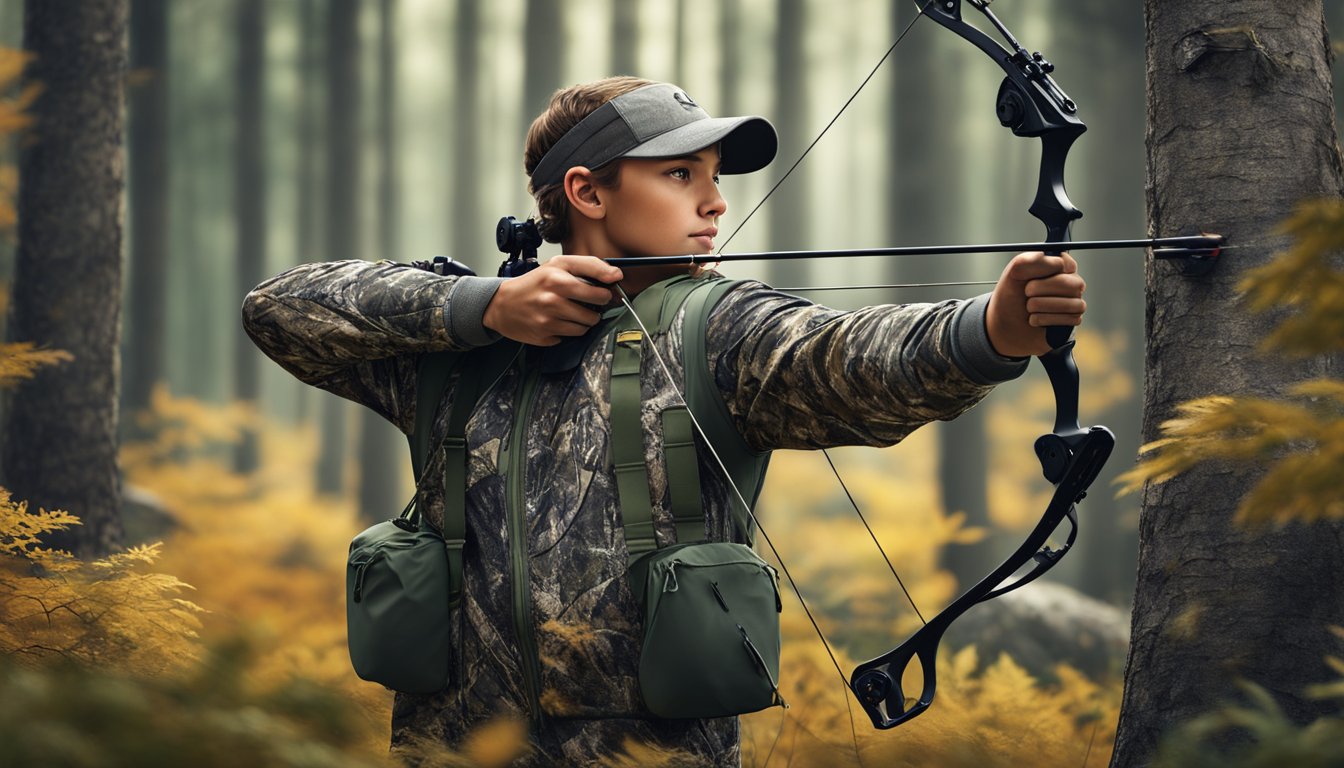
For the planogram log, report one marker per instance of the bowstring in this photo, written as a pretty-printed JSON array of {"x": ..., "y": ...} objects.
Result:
[
  {"x": 625, "y": 299},
  {"x": 836, "y": 117},
  {"x": 871, "y": 73}
]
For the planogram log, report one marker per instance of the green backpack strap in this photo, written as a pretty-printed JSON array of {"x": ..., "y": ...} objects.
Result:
[
  {"x": 746, "y": 467},
  {"x": 658, "y": 306},
  {"x": 626, "y": 342},
  {"x": 481, "y": 366}
]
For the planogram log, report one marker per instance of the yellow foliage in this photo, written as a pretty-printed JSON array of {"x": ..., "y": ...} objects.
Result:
[
  {"x": 998, "y": 716},
  {"x": 1298, "y": 438},
  {"x": 267, "y": 553},
  {"x": 54, "y": 606},
  {"x": 9, "y": 187},
  {"x": 1300, "y": 442},
  {"x": 183, "y": 424},
  {"x": 995, "y": 716},
  {"x": 211, "y": 715},
  {"x": 20, "y": 360},
  {"x": 1308, "y": 278},
  {"x": 13, "y": 118},
  {"x": 1015, "y": 422}
]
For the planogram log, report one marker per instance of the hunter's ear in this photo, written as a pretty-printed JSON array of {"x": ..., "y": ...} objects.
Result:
[{"x": 583, "y": 193}]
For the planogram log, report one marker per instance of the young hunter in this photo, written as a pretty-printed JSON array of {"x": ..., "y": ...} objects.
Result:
[{"x": 549, "y": 628}]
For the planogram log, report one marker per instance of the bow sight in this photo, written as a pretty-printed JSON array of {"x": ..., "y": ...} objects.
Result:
[{"x": 519, "y": 239}]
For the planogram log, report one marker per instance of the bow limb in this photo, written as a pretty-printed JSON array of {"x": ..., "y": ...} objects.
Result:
[{"x": 1031, "y": 104}]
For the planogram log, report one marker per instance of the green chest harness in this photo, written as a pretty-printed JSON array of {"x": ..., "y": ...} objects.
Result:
[{"x": 711, "y": 609}]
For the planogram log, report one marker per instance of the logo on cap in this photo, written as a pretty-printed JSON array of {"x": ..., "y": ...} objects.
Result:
[{"x": 684, "y": 100}]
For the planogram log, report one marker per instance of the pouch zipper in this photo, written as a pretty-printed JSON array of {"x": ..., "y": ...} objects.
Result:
[
  {"x": 374, "y": 553},
  {"x": 515, "y": 464}
]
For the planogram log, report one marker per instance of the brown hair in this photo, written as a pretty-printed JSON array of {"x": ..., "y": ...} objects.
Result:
[{"x": 568, "y": 106}]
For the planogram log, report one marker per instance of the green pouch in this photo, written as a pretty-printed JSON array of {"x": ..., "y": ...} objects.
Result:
[
  {"x": 397, "y": 606},
  {"x": 711, "y": 630}
]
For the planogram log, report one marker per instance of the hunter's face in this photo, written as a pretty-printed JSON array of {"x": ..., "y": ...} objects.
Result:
[{"x": 668, "y": 207}]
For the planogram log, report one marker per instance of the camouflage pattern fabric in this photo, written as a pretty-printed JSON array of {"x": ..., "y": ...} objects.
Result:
[{"x": 793, "y": 374}]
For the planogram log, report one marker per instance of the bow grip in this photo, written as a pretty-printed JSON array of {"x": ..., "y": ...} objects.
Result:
[{"x": 1058, "y": 335}]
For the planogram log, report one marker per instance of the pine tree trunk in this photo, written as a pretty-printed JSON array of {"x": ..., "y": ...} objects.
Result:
[
  {"x": 924, "y": 111},
  {"x": 789, "y": 210},
  {"x": 624, "y": 37},
  {"x": 1106, "y": 80},
  {"x": 382, "y": 450},
  {"x": 249, "y": 204},
  {"x": 309, "y": 135},
  {"x": 61, "y": 440},
  {"x": 469, "y": 225},
  {"x": 544, "y": 64},
  {"x": 343, "y": 184},
  {"x": 147, "y": 137},
  {"x": 1240, "y": 129}
]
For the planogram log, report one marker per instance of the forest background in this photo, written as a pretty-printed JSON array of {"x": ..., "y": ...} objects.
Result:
[{"x": 256, "y": 497}]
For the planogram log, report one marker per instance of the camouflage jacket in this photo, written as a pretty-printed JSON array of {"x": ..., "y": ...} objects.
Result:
[{"x": 792, "y": 373}]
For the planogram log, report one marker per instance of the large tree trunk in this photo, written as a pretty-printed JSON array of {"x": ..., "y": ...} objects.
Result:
[
  {"x": 60, "y": 447},
  {"x": 148, "y": 155},
  {"x": 1240, "y": 129},
  {"x": 249, "y": 204}
]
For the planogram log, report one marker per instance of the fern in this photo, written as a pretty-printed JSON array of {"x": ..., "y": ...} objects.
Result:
[
  {"x": 109, "y": 611},
  {"x": 20, "y": 360}
]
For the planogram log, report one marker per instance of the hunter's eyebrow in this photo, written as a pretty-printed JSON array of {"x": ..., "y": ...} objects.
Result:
[{"x": 692, "y": 159}]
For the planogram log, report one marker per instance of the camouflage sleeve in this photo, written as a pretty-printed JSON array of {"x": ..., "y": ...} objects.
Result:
[
  {"x": 799, "y": 375},
  {"x": 357, "y": 328}
]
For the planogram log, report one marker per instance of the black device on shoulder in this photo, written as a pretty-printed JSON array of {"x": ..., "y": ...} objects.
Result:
[
  {"x": 444, "y": 265},
  {"x": 519, "y": 239}
]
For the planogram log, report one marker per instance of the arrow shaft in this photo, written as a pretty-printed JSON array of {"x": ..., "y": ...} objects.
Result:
[{"x": 1194, "y": 243}]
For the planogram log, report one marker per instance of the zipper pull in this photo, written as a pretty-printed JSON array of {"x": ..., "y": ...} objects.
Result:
[
  {"x": 714, "y": 585},
  {"x": 773, "y": 575},
  {"x": 359, "y": 580},
  {"x": 670, "y": 580},
  {"x": 778, "y": 698}
]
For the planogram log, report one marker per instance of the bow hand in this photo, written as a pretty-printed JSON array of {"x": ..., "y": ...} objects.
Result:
[{"x": 1035, "y": 292}]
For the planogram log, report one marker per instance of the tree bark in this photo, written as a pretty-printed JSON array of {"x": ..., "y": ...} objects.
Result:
[
  {"x": 147, "y": 137},
  {"x": 249, "y": 204},
  {"x": 624, "y": 37},
  {"x": 308, "y": 129},
  {"x": 544, "y": 64},
  {"x": 1240, "y": 129},
  {"x": 343, "y": 184},
  {"x": 60, "y": 447},
  {"x": 789, "y": 211},
  {"x": 382, "y": 451}
]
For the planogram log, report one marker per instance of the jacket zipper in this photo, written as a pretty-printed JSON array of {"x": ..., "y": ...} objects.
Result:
[{"x": 515, "y": 465}]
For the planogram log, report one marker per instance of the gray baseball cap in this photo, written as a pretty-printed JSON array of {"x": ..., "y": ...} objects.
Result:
[{"x": 656, "y": 121}]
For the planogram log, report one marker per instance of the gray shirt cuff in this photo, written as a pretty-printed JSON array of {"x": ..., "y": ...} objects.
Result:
[
  {"x": 464, "y": 313},
  {"x": 972, "y": 351}
]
